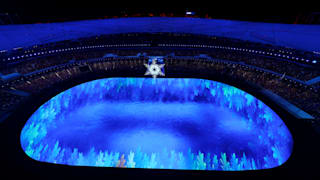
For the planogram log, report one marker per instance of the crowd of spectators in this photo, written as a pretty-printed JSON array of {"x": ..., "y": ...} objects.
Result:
[
  {"x": 9, "y": 100},
  {"x": 303, "y": 96},
  {"x": 32, "y": 65},
  {"x": 43, "y": 80},
  {"x": 293, "y": 69}
]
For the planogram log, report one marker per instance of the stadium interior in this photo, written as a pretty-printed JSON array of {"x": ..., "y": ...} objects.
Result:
[{"x": 287, "y": 79}]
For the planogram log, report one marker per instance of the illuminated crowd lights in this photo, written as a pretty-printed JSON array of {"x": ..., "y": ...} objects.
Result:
[{"x": 171, "y": 45}]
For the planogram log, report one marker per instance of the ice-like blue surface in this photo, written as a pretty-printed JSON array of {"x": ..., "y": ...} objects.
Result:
[
  {"x": 305, "y": 37},
  {"x": 191, "y": 124}
]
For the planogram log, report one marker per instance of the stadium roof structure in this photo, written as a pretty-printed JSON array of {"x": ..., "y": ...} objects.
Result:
[{"x": 304, "y": 37}]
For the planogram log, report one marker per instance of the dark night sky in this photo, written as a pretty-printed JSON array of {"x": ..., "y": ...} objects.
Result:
[{"x": 50, "y": 11}]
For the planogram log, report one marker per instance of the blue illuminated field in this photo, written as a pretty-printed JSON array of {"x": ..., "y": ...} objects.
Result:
[{"x": 190, "y": 124}]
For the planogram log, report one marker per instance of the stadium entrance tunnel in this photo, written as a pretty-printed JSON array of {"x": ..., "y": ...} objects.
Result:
[{"x": 163, "y": 123}]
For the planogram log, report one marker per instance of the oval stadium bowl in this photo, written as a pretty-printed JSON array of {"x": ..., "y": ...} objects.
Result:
[{"x": 163, "y": 123}]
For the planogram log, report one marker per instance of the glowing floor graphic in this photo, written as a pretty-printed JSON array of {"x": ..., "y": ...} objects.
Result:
[{"x": 164, "y": 123}]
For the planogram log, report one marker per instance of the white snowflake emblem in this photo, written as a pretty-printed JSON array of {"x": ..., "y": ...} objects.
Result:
[{"x": 154, "y": 69}]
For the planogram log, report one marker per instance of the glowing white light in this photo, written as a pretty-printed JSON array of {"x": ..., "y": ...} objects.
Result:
[
  {"x": 154, "y": 69},
  {"x": 189, "y": 13}
]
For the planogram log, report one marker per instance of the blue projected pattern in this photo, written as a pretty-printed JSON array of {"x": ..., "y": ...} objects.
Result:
[{"x": 190, "y": 124}]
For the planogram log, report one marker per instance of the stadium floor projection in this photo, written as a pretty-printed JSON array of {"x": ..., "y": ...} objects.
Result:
[{"x": 190, "y": 124}]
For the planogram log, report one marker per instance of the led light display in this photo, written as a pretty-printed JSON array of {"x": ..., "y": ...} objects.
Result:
[{"x": 163, "y": 123}]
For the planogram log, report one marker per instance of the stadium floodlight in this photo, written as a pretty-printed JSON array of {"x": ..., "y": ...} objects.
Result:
[
  {"x": 190, "y": 13},
  {"x": 314, "y": 61}
]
